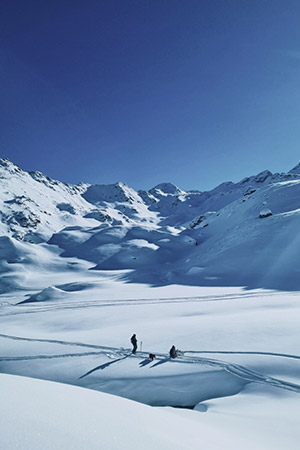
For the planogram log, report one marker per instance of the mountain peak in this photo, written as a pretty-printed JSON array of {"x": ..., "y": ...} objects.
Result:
[
  {"x": 167, "y": 188},
  {"x": 5, "y": 162},
  {"x": 117, "y": 192},
  {"x": 9, "y": 165},
  {"x": 296, "y": 169}
]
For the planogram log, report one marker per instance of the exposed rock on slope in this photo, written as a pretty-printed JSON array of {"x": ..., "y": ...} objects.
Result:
[{"x": 165, "y": 235}]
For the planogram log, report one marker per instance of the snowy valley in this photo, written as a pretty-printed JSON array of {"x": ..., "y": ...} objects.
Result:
[{"x": 215, "y": 273}]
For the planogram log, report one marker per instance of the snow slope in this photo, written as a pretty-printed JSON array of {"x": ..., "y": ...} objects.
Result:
[
  {"x": 161, "y": 237},
  {"x": 60, "y": 417},
  {"x": 56, "y": 416},
  {"x": 239, "y": 370},
  {"x": 214, "y": 273}
]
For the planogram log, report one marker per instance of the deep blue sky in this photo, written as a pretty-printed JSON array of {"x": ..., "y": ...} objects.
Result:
[{"x": 195, "y": 92}]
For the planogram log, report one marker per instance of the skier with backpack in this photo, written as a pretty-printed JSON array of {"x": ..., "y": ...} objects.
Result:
[{"x": 133, "y": 340}]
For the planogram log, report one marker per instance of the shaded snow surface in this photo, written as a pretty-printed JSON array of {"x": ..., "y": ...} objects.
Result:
[
  {"x": 239, "y": 368},
  {"x": 238, "y": 234},
  {"x": 56, "y": 416},
  {"x": 83, "y": 267}
]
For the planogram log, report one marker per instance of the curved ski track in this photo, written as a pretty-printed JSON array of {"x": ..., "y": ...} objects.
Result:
[{"x": 235, "y": 369}]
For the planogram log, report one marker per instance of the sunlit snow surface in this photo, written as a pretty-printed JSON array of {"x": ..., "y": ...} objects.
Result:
[
  {"x": 239, "y": 369},
  {"x": 163, "y": 236},
  {"x": 84, "y": 267}
]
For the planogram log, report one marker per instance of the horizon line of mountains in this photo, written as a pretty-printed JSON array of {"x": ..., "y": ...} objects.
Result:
[{"x": 162, "y": 236}]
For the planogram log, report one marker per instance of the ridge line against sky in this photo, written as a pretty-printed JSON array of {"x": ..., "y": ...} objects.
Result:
[
  {"x": 158, "y": 185},
  {"x": 195, "y": 93}
]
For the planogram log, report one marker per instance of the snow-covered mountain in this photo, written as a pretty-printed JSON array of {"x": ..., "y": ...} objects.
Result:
[
  {"x": 242, "y": 234},
  {"x": 83, "y": 267}
]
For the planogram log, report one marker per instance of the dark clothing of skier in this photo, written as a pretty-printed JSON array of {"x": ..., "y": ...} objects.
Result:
[
  {"x": 173, "y": 352},
  {"x": 134, "y": 343}
]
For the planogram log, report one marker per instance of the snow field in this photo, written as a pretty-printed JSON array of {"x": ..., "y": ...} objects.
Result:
[
  {"x": 199, "y": 270},
  {"x": 246, "y": 394}
]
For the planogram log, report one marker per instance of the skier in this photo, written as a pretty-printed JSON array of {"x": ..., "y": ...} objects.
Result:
[
  {"x": 133, "y": 340},
  {"x": 173, "y": 352}
]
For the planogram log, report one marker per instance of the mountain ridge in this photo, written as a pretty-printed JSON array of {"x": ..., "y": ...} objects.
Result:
[{"x": 161, "y": 236}]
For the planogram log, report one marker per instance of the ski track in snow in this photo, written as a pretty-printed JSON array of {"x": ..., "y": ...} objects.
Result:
[
  {"x": 36, "y": 307},
  {"x": 119, "y": 354}
]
